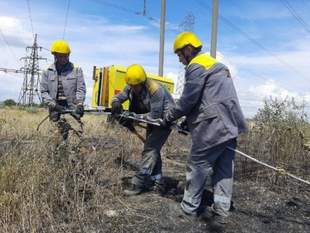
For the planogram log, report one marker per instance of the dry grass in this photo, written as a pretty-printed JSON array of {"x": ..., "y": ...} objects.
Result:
[
  {"x": 46, "y": 186},
  {"x": 277, "y": 137}
]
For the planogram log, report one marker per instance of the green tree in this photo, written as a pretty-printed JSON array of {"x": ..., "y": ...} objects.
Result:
[{"x": 9, "y": 102}]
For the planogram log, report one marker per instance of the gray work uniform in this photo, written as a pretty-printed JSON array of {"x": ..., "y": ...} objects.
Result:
[
  {"x": 214, "y": 117},
  {"x": 154, "y": 100},
  {"x": 72, "y": 81},
  {"x": 65, "y": 87}
]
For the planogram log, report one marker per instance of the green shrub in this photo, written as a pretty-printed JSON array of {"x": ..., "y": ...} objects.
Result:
[
  {"x": 276, "y": 136},
  {"x": 9, "y": 102}
]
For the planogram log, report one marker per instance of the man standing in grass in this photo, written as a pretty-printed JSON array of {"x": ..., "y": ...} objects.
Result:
[
  {"x": 214, "y": 118},
  {"x": 63, "y": 86}
]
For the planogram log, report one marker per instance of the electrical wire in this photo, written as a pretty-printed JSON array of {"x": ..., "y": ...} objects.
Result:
[
  {"x": 138, "y": 13},
  {"x": 294, "y": 13},
  {"x": 8, "y": 45},
  {"x": 119, "y": 7},
  {"x": 279, "y": 170},
  {"x": 66, "y": 18},
  {"x": 258, "y": 44},
  {"x": 46, "y": 49},
  {"x": 30, "y": 17}
]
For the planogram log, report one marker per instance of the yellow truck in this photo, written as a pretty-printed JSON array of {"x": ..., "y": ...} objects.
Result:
[{"x": 109, "y": 81}]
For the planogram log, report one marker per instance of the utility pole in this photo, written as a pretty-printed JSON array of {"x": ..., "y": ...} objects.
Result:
[
  {"x": 214, "y": 28},
  {"x": 144, "y": 8},
  {"x": 162, "y": 38},
  {"x": 31, "y": 75}
]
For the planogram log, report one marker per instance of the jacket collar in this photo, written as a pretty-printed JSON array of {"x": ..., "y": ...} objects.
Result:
[{"x": 67, "y": 68}]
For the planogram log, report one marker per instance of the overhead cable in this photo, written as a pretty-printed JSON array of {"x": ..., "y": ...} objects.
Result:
[
  {"x": 8, "y": 45},
  {"x": 66, "y": 19},
  {"x": 258, "y": 44},
  {"x": 294, "y": 13},
  {"x": 30, "y": 17}
]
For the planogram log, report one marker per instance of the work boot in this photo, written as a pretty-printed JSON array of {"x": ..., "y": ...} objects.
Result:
[
  {"x": 207, "y": 199},
  {"x": 133, "y": 190},
  {"x": 207, "y": 214},
  {"x": 218, "y": 223},
  {"x": 159, "y": 187},
  {"x": 176, "y": 209}
]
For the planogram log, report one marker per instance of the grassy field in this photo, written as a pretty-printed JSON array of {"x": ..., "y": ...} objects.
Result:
[{"x": 49, "y": 186}]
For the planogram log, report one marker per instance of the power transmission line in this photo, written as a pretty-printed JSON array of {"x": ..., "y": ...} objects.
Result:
[
  {"x": 30, "y": 17},
  {"x": 119, "y": 7},
  {"x": 66, "y": 18},
  {"x": 294, "y": 13},
  {"x": 46, "y": 49},
  {"x": 142, "y": 13},
  {"x": 8, "y": 70},
  {"x": 31, "y": 71},
  {"x": 8, "y": 45},
  {"x": 186, "y": 25},
  {"x": 31, "y": 75},
  {"x": 258, "y": 44}
]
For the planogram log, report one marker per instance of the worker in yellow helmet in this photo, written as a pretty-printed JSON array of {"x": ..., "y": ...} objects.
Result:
[
  {"x": 62, "y": 86},
  {"x": 148, "y": 97},
  {"x": 214, "y": 119}
]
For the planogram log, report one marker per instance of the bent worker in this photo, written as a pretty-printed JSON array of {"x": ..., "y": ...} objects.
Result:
[
  {"x": 214, "y": 118},
  {"x": 62, "y": 86},
  {"x": 146, "y": 96}
]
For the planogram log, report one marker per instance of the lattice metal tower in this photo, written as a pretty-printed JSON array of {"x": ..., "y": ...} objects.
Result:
[
  {"x": 186, "y": 25},
  {"x": 31, "y": 81}
]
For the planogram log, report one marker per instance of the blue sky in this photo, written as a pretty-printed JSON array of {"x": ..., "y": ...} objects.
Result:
[{"x": 266, "y": 47}]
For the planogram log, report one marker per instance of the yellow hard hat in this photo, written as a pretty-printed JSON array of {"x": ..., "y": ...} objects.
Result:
[
  {"x": 186, "y": 38},
  {"x": 60, "y": 46},
  {"x": 135, "y": 74}
]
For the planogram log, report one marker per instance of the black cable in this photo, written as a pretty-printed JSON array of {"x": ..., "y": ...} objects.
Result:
[
  {"x": 258, "y": 44},
  {"x": 30, "y": 17},
  {"x": 66, "y": 18},
  {"x": 294, "y": 13},
  {"x": 8, "y": 45}
]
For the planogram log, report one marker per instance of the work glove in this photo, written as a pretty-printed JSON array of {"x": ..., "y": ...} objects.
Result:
[
  {"x": 116, "y": 108},
  {"x": 183, "y": 125},
  {"x": 56, "y": 108},
  {"x": 54, "y": 116},
  {"x": 53, "y": 110},
  {"x": 79, "y": 110},
  {"x": 128, "y": 123}
]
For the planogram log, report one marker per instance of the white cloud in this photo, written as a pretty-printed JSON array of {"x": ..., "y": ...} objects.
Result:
[
  {"x": 272, "y": 89},
  {"x": 269, "y": 78},
  {"x": 230, "y": 64},
  {"x": 98, "y": 41},
  {"x": 13, "y": 31}
]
